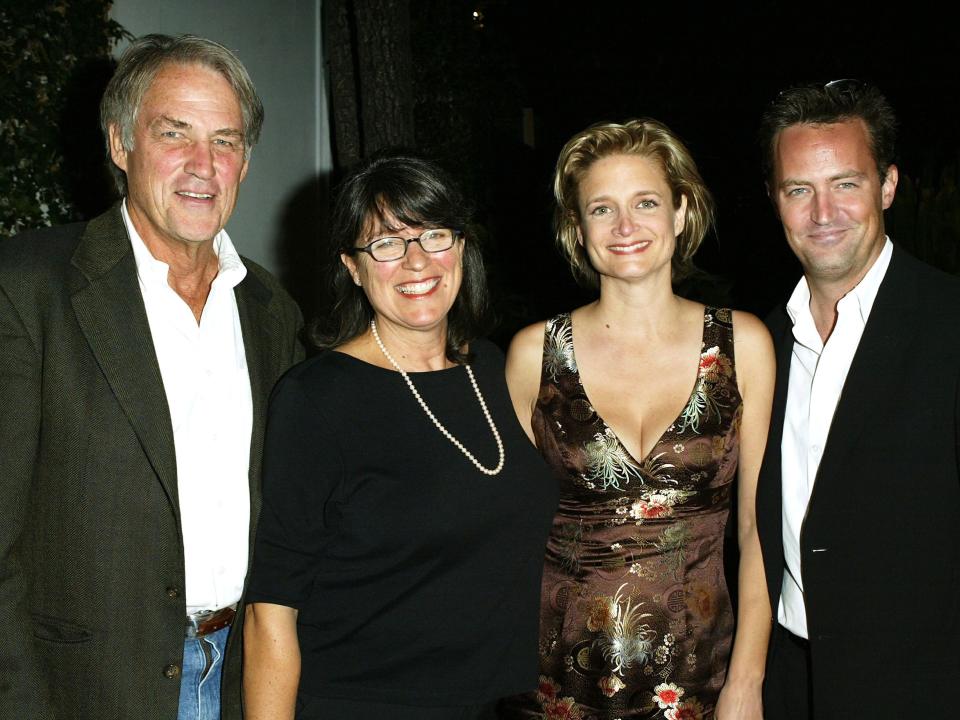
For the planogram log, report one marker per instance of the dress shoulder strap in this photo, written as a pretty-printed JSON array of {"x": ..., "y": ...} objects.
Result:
[
  {"x": 718, "y": 331},
  {"x": 558, "y": 358}
]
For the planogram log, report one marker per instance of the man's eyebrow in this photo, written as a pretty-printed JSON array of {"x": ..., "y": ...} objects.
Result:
[
  {"x": 173, "y": 122},
  {"x": 167, "y": 121},
  {"x": 845, "y": 175},
  {"x": 848, "y": 174},
  {"x": 792, "y": 181}
]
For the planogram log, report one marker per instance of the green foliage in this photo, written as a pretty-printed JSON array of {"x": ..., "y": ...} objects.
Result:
[{"x": 45, "y": 49}]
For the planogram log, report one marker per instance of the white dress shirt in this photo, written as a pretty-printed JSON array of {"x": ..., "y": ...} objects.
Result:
[
  {"x": 204, "y": 371},
  {"x": 817, "y": 373}
]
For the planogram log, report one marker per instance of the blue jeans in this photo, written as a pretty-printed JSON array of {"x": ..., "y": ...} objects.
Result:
[{"x": 200, "y": 679}]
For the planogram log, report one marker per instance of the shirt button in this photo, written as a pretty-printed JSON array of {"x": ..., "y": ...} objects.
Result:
[
  {"x": 815, "y": 449},
  {"x": 171, "y": 672},
  {"x": 173, "y": 593}
]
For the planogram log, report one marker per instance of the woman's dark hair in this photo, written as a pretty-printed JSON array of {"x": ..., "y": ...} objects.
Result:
[
  {"x": 834, "y": 102},
  {"x": 418, "y": 193}
]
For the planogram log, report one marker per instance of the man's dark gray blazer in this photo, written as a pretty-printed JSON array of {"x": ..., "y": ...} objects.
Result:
[
  {"x": 92, "y": 608},
  {"x": 880, "y": 544}
]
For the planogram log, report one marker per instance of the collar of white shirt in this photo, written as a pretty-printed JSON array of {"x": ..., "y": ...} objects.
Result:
[
  {"x": 152, "y": 273},
  {"x": 860, "y": 298}
]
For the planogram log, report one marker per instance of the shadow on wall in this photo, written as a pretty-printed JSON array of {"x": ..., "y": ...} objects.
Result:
[
  {"x": 87, "y": 175},
  {"x": 301, "y": 239}
]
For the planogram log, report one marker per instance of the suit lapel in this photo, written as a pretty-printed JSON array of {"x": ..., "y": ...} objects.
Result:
[
  {"x": 110, "y": 312},
  {"x": 783, "y": 344},
  {"x": 875, "y": 371},
  {"x": 261, "y": 337},
  {"x": 782, "y": 335},
  {"x": 770, "y": 482}
]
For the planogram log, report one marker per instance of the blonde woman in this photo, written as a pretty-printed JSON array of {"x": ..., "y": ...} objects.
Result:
[{"x": 653, "y": 411}]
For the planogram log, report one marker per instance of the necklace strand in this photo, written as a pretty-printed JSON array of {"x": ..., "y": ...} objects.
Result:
[{"x": 446, "y": 433}]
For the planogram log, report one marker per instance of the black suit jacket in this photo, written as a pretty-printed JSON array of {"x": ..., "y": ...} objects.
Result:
[
  {"x": 91, "y": 559},
  {"x": 880, "y": 544}
]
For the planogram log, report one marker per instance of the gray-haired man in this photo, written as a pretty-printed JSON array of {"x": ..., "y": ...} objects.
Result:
[{"x": 137, "y": 354}]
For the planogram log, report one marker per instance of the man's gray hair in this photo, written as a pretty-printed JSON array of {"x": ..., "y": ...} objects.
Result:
[{"x": 137, "y": 69}]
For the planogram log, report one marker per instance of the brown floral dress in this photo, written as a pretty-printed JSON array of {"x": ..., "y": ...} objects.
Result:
[{"x": 635, "y": 617}]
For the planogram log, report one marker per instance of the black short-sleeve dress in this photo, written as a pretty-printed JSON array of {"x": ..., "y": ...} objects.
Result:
[{"x": 416, "y": 576}]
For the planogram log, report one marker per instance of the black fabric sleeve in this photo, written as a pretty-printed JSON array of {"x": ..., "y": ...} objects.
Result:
[{"x": 302, "y": 469}]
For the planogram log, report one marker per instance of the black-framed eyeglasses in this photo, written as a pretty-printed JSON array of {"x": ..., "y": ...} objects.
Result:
[{"x": 386, "y": 249}]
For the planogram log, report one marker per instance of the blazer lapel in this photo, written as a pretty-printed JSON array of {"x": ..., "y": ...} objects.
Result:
[
  {"x": 109, "y": 309},
  {"x": 261, "y": 337},
  {"x": 886, "y": 336},
  {"x": 783, "y": 344},
  {"x": 770, "y": 482}
]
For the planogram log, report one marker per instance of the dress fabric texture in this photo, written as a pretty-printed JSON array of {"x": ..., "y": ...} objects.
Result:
[
  {"x": 416, "y": 576},
  {"x": 635, "y": 617}
]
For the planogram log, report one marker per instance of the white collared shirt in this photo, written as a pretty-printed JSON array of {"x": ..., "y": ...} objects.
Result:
[
  {"x": 204, "y": 371},
  {"x": 817, "y": 373}
]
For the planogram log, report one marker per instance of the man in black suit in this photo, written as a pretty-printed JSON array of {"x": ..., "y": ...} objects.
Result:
[
  {"x": 858, "y": 502},
  {"x": 137, "y": 353}
]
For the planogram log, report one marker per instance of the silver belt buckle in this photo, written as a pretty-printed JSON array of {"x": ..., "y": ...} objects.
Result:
[{"x": 194, "y": 620}]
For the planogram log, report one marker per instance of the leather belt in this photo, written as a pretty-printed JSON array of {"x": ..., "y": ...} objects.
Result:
[{"x": 206, "y": 622}]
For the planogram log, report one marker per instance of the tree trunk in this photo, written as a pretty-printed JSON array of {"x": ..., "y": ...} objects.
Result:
[
  {"x": 345, "y": 111},
  {"x": 371, "y": 76}
]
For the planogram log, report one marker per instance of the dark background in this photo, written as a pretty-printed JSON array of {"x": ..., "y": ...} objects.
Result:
[
  {"x": 493, "y": 89},
  {"x": 707, "y": 71}
]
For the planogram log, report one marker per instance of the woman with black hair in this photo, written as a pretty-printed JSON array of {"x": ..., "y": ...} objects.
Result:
[{"x": 398, "y": 558}]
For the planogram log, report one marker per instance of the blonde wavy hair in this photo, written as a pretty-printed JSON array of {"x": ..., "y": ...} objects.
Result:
[{"x": 645, "y": 137}]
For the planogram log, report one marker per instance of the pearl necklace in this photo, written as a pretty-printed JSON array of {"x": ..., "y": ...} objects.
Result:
[{"x": 446, "y": 433}]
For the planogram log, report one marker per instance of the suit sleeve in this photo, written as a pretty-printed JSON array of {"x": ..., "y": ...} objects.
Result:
[{"x": 22, "y": 693}]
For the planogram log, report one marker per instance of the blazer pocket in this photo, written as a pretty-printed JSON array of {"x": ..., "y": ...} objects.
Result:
[{"x": 59, "y": 631}]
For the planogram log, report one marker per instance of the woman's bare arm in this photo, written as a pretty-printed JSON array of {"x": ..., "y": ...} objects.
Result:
[
  {"x": 271, "y": 662},
  {"x": 741, "y": 698},
  {"x": 524, "y": 360}
]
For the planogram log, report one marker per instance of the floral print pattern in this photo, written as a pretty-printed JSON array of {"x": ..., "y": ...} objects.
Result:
[
  {"x": 608, "y": 462},
  {"x": 610, "y": 685},
  {"x": 636, "y": 621},
  {"x": 655, "y": 504},
  {"x": 706, "y": 401},
  {"x": 667, "y": 695},
  {"x": 689, "y": 710},
  {"x": 553, "y": 706},
  {"x": 624, "y": 638},
  {"x": 558, "y": 349}
]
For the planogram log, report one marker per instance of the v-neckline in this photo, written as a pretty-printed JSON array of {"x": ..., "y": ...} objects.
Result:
[{"x": 609, "y": 430}]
